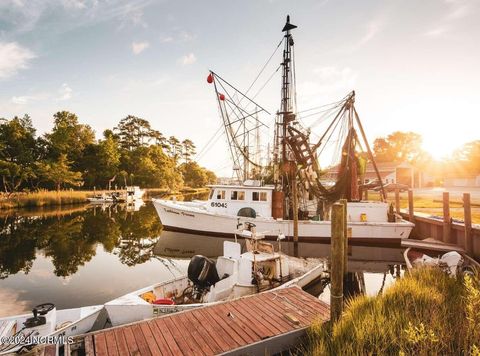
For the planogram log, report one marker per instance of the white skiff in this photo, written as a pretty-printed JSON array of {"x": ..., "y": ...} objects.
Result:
[{"x": 46, "y": 325}]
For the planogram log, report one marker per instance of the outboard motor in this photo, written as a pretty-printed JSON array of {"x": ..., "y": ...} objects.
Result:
[
  {"x": 43, "y": 320},
  {"x": 202, "y": 272}
]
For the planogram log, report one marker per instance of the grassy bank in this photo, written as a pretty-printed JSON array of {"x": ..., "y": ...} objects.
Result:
[
  {"x": 431, "y": 206},
  {"x": 44, "y": 198},
  {"x": 424, "y": 313}
]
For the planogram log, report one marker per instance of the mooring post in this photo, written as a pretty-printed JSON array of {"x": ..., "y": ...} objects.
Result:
[
  {"x": 336, "y": 261},
  {"x": 467, "y": 218},
  {"x": 446, "y": 218},
  {"x": 345, "y": 236},
  {"x": 410, "y": 206},
  {"x": 397, "y": 201}
]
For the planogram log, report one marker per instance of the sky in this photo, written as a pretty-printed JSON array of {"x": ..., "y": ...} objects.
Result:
[{"x": 413, "y": 64}]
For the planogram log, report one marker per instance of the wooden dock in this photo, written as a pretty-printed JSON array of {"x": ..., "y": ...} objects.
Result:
[{"x": 264, "y": 323}]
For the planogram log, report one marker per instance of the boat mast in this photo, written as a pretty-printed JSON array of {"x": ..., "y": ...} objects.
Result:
[{"x": 286, "y": 114}]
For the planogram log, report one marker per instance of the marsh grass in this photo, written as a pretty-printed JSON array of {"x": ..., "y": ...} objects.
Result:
[
  {"x": 424, "y": 313},
  {"x": 44, "y": 198}
]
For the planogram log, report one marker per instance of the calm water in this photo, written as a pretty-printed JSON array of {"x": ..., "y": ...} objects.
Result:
[{"x": 85, "y": 255}]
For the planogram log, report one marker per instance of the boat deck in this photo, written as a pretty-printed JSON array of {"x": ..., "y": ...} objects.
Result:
[{"x": 269, "y": 322}]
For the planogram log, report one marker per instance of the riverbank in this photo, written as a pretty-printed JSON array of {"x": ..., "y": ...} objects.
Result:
[
  {"x": 424, "y": 313},
  {"x": 46, "y": 198}
]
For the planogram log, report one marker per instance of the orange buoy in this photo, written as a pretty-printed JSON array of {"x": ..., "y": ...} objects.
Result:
[{"x": 210, "y": 78}]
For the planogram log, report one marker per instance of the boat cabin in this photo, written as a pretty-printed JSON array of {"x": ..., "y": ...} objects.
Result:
[{"x": 241, "y": 200}]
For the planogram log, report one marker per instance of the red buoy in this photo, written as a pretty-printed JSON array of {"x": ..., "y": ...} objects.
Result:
[
  {"x": 164, "y": 301},
  {"x": 221, "y": 97},
  {"x": 210, "y": 78}
]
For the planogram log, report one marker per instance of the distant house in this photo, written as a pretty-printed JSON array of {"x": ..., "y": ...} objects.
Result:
[{"x": 392, "y": 172}]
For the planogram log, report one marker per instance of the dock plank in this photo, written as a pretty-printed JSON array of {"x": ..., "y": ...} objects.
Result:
[
  {"x": 180, "y": 340},
  {"x": 172, "y": 344},
  {"x": 150, "y": 339},
  {"x": 111, "y": 343},
  {"x": 253, "y": 312},
  {"x": 121, "y": 342},
  {"x": 235, "y": 319},
  {"x": 140, "y": 339},
  {"x": 203, "y": 320},
  {"x": 89, "y": 348},
  {"x": 203, "y": 333},
  {"x": 100, "y": 345},
  {"x": 230, "y": 333},
  {"x": 159, "y": 338},
  {"x": 243, "y": 326},
  {"x": 201, "y": 347},
  {"x": 219, "y": 329},
  {"x": 130, "y": 339}
]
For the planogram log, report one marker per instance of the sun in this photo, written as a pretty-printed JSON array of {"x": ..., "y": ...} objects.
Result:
[{"x": 438, "y": 147}]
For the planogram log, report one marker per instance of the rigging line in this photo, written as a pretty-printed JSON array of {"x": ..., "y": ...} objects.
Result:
[
  {"x": 209, "y": 145},
  {"x": 268, "y": 80},
  {"x": 238, "y": 91},
  {"x": 264, "y": 66},
  {"x": 329, "y": 111},
  {"x": 232, "y": 110},
  {"x": 328, "y": 139},
  {"x": 330, "y": 126},
  {"x": 208, "y": 142},
  {"x": 337, "y": 103},
  {"x": 294, "y": 75}
]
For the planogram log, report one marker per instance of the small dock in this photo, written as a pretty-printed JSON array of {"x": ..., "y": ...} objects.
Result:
[{"x": 264, "y": 323}]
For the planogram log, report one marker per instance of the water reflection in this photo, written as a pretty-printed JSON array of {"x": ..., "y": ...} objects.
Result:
[{"x": 70, "y": 240}]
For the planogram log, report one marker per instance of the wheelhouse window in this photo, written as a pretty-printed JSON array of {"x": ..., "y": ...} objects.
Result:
[
  {"x": 237, "y": 195},
  {"x": 220, "y": 195},
  {"x": 259, "y": 196}
]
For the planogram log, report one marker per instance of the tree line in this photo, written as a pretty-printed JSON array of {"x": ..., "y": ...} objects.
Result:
[
  {"x": 407, "y": 147},
  {"x": 69, "y": 156}
]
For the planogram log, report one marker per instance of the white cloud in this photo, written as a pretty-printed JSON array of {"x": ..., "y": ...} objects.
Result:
[
  {"x": 166, "y": 39},
  {"x": 436, "y": 32},
  {"x": 20, "y": 100},
  {"x": 188, "y": 59},
  {"x": 139, "y": 47},
  {"x": 65, "y": 92},
  {"x": 75, "y": 4},
  {"x": 372, "y": 29},
  {"x": 13, "y": 57},
  {"x": 331, "y": 83},
  {"x": 177, "y": 36}
]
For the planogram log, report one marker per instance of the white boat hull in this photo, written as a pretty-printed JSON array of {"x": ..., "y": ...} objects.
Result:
[
  {"x": 191, "y": 218},
  {"x": 69, "y": 322}
]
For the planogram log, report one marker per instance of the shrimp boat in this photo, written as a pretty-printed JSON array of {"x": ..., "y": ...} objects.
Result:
[
  {"x": 297, "y": 201},
  {"x": 45, "y": 325},
  {"x": 234, "y": 275}
]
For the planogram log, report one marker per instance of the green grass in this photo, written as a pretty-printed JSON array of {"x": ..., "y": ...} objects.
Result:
[{"x": 424, "y": 313}]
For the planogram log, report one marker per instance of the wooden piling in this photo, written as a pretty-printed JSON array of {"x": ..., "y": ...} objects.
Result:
[
  {"x": 446, "y": 218},
  {"x": 345, "y": 236},
  {"x": 366, "y": 193},
  {"x": 336, "y": 261},
  {"x": 410, "y": 206},
  {"x": 467, "y": 218},
  {"x": 397, "y": 201}
]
